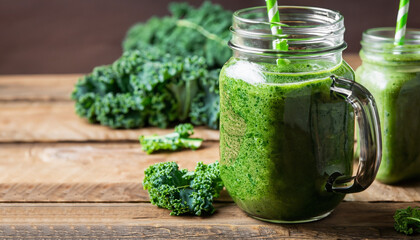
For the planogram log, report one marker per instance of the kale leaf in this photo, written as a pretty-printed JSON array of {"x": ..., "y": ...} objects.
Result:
[
  {"x": 188, "y": 31},
  {"x": 407, "y": 220},
  {"x": 181, "y": 191},
  {"x": 168, "y": 73},
  {"x": 173, "y": 141},
  {"x": 143, "y": 87},
  {"x": 205, "y": 106}
]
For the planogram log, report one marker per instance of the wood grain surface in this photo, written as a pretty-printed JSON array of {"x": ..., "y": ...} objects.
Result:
[
  {"x": 112, "y": 172},
  {"x": 351, "y": 220},
  {"x": 89, "y": 172},
  {"x": 57, "y": 122},
  {"x": 37, "y": 87}
]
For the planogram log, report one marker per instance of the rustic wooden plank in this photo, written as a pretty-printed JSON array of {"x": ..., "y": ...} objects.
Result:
[
  {"x": 37, "y": 87},
  {"x": 112, "y": 172},
  {"x": 57, "y": 121},
  {"x": 94, "y": 172},
  {"x": 404, "y": 192},
  {"x": 58, "y": 87},
  {"x": 351, "y": 220}
]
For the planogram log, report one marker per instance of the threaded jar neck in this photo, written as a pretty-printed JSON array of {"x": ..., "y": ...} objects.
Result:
[
  {"x": 378, "y": 47},
  {"x": 309, "y": 31}
]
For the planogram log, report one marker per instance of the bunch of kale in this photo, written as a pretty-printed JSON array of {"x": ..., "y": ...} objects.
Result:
[
  {"x": 181, "y": 191},
  {"x": 167, "y": 74},
  {"x": 189, "y": 31},
  {"x": 407, "y": 220}
]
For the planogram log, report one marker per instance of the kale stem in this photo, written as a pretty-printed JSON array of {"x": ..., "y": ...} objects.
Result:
[{"x": 414, "y": 219}]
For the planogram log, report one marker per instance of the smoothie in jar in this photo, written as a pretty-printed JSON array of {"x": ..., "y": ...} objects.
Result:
[
  {"x": 282, "y": 135},
  {"x": 287, "y": 119},
  {"x": 392, "y": 75}
]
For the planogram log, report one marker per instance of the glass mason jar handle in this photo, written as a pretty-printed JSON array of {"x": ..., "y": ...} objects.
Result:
[{"x": 369, "y": 136}]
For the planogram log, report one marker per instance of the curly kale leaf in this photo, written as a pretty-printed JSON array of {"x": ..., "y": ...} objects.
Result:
[
  {"x": 134, "y": 65},
  {"x": 101, "y": 81},
  {"x": 85, "y": 106},
  {"x": 155, "y": 87},
  {"x": 169, "y": 74},
  {"x": 181, "y": 191},
  {"x": 90, "y": 88},
  {"x": 407, "y": 220},
  {"x": 169, "y": 85},
  {"x": 149, "y": 33},
  {"x": 122, "y": 110},
  {"x": 184, "y": 130},
  {"x": 186, "y": 86},
  {"x": 189, "y": 31},
  {"x": 166, "y": 184},
  {"x": 171, "y": 142},
  {"x": 205, "y": 108},
  {"x": 207, "y": 185}
]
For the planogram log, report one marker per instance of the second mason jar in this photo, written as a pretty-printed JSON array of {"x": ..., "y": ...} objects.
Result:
[
  {"x": 392, "y": 73},
  {"x": 286, "y": 132}
]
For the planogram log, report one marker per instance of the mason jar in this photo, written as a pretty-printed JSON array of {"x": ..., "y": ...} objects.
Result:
[
  {"x": 287, "y": 118},
  {"x": 392, "y": 74}
]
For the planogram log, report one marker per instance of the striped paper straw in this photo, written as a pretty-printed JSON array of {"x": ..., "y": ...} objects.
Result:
[
  {"x": 274, "y": 18},
  {"x": 401, "y": 22}
]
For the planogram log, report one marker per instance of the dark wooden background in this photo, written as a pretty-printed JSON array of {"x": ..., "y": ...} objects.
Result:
[{"x": 72, "y": 36}]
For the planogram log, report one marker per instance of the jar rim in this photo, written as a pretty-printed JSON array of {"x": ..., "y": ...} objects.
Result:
[
  {"x": 386, "y": 35},
  {"x": 381, "y": 41},
  {"x": 307, "y": 31},
  {"x": 236, "y": 15}
]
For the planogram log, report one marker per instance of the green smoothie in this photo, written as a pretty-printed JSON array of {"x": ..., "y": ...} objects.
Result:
[
  {"x": 282, "y": 134},
  {"x": 394, "y": 81}
]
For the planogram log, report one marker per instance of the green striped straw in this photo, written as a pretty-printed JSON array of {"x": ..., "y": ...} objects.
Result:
[
  {"x": 401, "y": 22},
  {"x": 274, "y": 19}
]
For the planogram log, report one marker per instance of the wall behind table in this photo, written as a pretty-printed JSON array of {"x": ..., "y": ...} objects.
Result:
[{"x": 73, "y": 36}]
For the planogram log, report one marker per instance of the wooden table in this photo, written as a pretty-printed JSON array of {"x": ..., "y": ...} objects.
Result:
[{"x": 61, "y": 176}]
